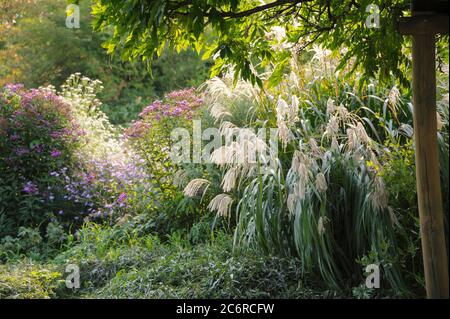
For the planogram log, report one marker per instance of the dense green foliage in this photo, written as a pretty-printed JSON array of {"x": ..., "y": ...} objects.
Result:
[
  {"x": 38, "y": 50},
  {"x": 247, "y": 32}
]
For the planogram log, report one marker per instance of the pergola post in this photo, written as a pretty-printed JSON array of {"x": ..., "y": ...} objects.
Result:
[
  {"x": 427, "y": 166},
  {"x": 423, "y": 27}
]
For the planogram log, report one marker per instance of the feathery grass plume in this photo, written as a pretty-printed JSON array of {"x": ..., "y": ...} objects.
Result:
[
  {"x": 218, "y": 111},
  {"x": 284, "y": 132},
  {"x": 217, "y": 92},
  {"x": 300, "y": 189},
  {"x": 221, "y": 204},
  {"x": 315, "y": 150},
  {"x": 332, "y": 128},
  {"x": 290, "y": 203},
  {"x": 344, "y": 116},
  {"x": 222, "y": 95},
  {"x": 321, "y": 225},
  {"x": 331, "y": 108},
  {"x": 299, "y": 167},
  {"x": 321, "y": 183},
  {"x": 281, "y": 108},
  {"x": 229, "y": 179},
  {"x": 379, "y": 194},
  {"x": 227, "y": 129},
  {"x": 393, "y": 101},
  {"x": 196, "y": 187},
  {"x": 296, "y": 159},
  {"x": 292, "y": 113},
  {"x": 283, "y": 210},
  {"x": 223, "y": 155},
  {"x": 394, "y": 97},
  {"x": 217, "y": 89},
  {"x": 352, "y": 139},
  {"x": 362, "y": 134},
  {"x": 334, "y": 144},
  {"x": 251, "y": 147}
]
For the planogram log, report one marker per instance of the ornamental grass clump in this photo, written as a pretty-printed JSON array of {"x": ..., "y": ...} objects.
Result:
[{"x": 322, "y": 198}]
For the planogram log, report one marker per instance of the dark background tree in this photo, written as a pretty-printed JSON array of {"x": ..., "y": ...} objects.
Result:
[{"x": 37, "y": 49}]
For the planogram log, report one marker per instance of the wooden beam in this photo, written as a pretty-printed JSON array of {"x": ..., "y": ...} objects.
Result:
[
  {"x": 427, "y": 166},
  {"x": 423, "y": 24},
  {"x": 429, "y": 6}
]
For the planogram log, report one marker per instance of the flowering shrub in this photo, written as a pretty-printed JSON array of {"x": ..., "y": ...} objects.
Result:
[
  {"x": 61, "y": 161},
  {"x": 150, "y": 136},
  {"x": 112, "y": 181},
  {"x": 164, "y": 208},
  {"x": 38, "y": 136}
]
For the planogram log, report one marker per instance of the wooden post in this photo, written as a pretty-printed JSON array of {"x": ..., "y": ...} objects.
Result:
[
  {"x": 427, "y": 166},
  {"x": 427, "y": 21}
]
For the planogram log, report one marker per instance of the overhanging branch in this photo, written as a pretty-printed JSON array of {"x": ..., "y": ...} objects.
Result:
[{"x": 246, "y": 13}]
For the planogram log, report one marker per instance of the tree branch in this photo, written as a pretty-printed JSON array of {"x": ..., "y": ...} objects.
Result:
[{"x": 246, "y": 13}]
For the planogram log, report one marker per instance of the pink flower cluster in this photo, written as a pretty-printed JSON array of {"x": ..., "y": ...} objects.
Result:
[{"x": 177, "y": 104}]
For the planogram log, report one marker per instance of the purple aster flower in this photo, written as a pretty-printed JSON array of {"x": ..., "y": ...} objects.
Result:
[
  {"x": 55, "y": 153},
  {"x": 122, "y": 198},
  {"x": 14, "y": 87},
  {"x": 30, "y": 188},
  {"x": 55, "y": 134}
]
